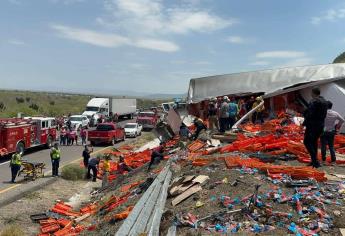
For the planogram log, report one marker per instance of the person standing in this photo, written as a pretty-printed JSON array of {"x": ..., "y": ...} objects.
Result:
[
  {"x": 333, "y": 122},
  {"x": 314, "y": 121},
  {"x": 93, "y": 165},
  {"x": 55, "y": 155},
  {"x": 233, "y": 111},
  {"x": 106, "y": 170},
  {"x": 83, "y": 134},
  {"x": 224, "y": 115},
  {"x": 258, "y": 114},
  {"x": 212, "y": 117},
  {"x": 86, "y": 155},
  {"x": 15, "y": 164}
]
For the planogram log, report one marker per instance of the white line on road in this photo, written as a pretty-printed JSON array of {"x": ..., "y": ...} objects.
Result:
[{"x": 4, "y": 163}]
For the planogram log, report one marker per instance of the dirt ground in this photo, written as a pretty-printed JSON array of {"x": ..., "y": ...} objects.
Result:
[
  {"x": 40, "y": 201},
  {"x": 212, "y": 191},
  {"x": 36, "y": 202}
]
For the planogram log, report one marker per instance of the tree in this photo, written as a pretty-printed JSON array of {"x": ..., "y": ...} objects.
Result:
[{"x": 340, "y": 58}]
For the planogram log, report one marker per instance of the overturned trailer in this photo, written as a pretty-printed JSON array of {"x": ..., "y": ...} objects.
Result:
[{"x": 281, "y": 88}]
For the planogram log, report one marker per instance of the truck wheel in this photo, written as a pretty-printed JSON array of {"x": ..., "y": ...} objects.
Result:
[
  {"x": 49, "y": 143},
  {"x": 93, "y": 143},
  {"x": 21, "y": 147}
]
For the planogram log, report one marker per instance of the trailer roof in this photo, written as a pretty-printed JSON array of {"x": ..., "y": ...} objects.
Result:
[{"x": 265, "y": 81}]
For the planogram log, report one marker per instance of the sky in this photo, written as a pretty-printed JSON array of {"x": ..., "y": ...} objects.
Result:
[{"x": 157, "y": 46}]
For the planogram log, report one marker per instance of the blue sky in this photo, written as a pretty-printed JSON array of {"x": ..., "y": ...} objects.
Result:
[{"x": 156, "y": 46}]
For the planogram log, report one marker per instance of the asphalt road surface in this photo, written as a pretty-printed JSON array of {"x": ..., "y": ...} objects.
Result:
[{"x": 39, "y": 154}]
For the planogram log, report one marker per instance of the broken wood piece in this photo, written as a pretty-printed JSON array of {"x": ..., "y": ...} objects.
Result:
[
  {"x": 186, "y": 194},
  {"x": 342, "y": 231},
  {"x": 201, "y": 179},
  {"x": 188, "y": 178},
  {"x": 81, "y": 218}
]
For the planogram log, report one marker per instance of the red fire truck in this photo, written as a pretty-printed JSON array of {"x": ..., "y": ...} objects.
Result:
[{"x": 21, "y": 134}]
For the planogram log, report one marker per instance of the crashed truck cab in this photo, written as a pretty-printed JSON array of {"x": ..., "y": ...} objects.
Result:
[{"x": 283, "y": 90}]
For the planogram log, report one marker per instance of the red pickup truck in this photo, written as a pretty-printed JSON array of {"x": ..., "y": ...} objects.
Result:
[
  {"x": 106, "y": 133},
  {"x": 148, "y": 119}
]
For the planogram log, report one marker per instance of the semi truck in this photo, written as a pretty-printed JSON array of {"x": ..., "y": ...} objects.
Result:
[{"x": 122, "y": 107}]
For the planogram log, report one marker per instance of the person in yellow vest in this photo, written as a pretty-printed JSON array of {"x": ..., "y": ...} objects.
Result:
[
  {"x": 258, "y": 114},
  {"x": 55, "y": 155},
  {"x": 16, "y": 162},
  {"x": 106, "y": 170}
]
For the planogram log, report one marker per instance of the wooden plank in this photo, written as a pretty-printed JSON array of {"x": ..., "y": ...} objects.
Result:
[
  {"x": 188, "y": 178},
  {"x": 186, "y": 194},
  {"x": 201, "y": 179},
  {"x": 342, "y": 231}
]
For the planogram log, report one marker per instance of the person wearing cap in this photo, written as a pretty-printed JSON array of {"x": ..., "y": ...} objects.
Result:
[
  {"x": 233, "y": 111},
  {"x": 258, "y": 114},
  {"x": 224, "y": 115},
  {"x": 15, "y": 163},
  {"x": 55, "y": 155}
]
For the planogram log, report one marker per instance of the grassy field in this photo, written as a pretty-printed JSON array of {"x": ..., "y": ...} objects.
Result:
[{"x": 50, "y": 104}]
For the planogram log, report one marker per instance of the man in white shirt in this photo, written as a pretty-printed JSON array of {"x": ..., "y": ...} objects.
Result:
[{"x": 333, "y": 122}]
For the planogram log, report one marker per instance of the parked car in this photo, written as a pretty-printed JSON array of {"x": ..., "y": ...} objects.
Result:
[
  {"x": 79, "y": 121},
  {"x": 133, "y": 129},
  {"x": 106, "y": 133}
]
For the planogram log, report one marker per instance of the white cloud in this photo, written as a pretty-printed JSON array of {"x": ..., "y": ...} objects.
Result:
[
  {"x": 112, "y": 40},
  {"x": 260, "y": 63},
  {"x": 154, "y": 44},
  {"x": 16, "y": 42},
  {"x": 91, "y": 37},
  {"x": 238, "y": 40},
  {"x": 142, "y": 17},
  {"x": 280, "y": 54},
  {"x": 329, "y": 15}
]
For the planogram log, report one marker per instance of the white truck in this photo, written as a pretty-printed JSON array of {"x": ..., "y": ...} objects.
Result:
[{"x": 121, "y": 107}]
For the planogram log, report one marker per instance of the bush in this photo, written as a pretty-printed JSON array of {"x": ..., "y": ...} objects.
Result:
[
  {"x": 28, "y": 99},
  {"x": 12, "y": 230},
  {"x": 52, "y": 103},
  {"x": 73, "y": 172},
  {"x": 19, "y": 100},
  {"x": 34, "y": 106}
]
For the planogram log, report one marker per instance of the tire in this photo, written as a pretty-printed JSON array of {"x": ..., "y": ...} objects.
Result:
[
  {"x": 49, "y": 143},
  {"x": 135, "y": 135},
  {"x": 124, "y": 138},
  {"x": 113, "y": 141},
  {"x": 92, "y": 143},
  {"x": 21, "y": 147}
]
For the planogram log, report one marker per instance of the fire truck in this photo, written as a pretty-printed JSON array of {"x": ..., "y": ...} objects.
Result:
[{"x": 21, "y": 134}]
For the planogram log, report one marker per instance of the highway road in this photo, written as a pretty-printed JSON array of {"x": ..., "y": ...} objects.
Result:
[{"x": 69, "y": 154}]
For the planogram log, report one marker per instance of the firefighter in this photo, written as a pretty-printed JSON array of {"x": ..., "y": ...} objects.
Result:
[
  {"x": 55, "y": 155},
  {"x": 16, "y": 162}
]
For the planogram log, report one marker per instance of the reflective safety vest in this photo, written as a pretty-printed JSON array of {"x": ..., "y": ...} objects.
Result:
[
  {"x": 16, "y": 159},
  {"x": 55, "y": 153}
]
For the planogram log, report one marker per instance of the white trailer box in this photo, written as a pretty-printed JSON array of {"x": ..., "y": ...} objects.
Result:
[{"x": 123, "y": 106}]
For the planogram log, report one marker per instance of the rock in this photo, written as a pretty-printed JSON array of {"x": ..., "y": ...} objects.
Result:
[{"x": 337, "y": 213}]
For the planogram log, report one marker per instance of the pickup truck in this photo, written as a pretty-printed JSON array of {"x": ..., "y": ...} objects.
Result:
[
  {"x": 106, "y": 133},
  {"x": 148, "y": 119},
  {"x": 133, "y": 129}
]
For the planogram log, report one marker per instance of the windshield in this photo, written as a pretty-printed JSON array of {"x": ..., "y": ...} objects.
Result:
[
  {"x": 74, "y": 118},
  {"x": 130, "y": 126},
  {"x": 146, "y": 114},
  {"x": 166, "y": 107},
  {"x": 104, "y": 127},
  {"x": 92, "y": 109}
]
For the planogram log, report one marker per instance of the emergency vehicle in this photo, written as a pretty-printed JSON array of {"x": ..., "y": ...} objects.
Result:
[{"x": 21, "y": 134}]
